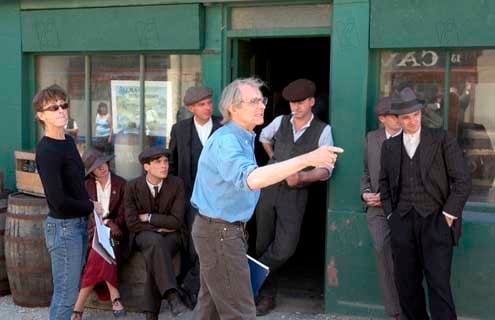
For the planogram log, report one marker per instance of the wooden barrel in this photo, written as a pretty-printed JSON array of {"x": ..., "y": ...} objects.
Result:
[
  {"x": 26, "y": 256},
  {"x": 4, "y": 281}
]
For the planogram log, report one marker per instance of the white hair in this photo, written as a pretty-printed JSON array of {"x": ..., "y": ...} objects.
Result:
[{"x": 231, "y": 95}]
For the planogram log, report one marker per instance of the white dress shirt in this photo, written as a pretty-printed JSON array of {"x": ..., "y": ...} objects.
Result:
[
  {"x": 203, "y": 130},
  {"x": 411, "y": 142},
  {"x": 103, "y": 194}
]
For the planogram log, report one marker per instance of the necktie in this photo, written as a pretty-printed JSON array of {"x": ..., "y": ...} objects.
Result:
[{"x": 156, "y": 191}]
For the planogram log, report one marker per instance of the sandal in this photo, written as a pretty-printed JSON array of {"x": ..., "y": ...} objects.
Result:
[
  {"x": 118, "y": 313},
  {"x": 76, "y": 315}
]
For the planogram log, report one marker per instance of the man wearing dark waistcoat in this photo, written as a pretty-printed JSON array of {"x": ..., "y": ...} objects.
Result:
[
  {"x": 187, "y": 139},
  {"x": 370, "y": 194},
  {"x": 280, "y": 211},
  {"x": 154, "y": 213},
  {"x": 424, "y": 185}
]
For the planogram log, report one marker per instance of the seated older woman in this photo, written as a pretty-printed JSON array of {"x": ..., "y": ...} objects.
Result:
[{"x": 108, "y": 189}]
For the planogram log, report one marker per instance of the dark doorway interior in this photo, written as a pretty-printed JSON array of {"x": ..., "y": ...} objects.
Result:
[{"x": 278, "y": 61}]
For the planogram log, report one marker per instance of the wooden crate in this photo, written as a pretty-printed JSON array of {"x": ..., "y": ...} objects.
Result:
[{"x": 26, "y": 176}]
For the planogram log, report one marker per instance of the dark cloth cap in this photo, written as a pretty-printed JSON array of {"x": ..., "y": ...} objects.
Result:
[
  {"x": 93, "y": 158},
  {"x": 196, "y": 94},
  {"x": 384, "y": 105},
  {"x": 153, "y": 152},
  {"x": 299, "y": 90},
  {"x": 408, "y": 102}
]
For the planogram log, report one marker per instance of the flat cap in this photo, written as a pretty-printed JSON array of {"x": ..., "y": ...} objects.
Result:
[
  {"x": 153, "y": 152},
  {"x": 299, "y": 90},
  {"x": 196, "y": 94},
  {"x": 384, "y": 105},
  {"x": 408, "y": 102}
]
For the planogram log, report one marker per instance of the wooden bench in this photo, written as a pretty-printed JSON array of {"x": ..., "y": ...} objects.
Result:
[{"x": 132, "y": 277}]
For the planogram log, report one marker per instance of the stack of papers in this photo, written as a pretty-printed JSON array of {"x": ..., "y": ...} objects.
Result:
[{"x": 101, "y": 241}]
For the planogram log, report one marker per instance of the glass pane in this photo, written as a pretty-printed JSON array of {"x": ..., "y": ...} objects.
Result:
[
  {"x": 471, "y": 117},
  {"x": 68, "y": 73},
  {"x": 167, "y": 78},
  {"x": 269, "y": 17},
  {"x": 423, "y": 71},
  {"x": 115, "y": 110}
]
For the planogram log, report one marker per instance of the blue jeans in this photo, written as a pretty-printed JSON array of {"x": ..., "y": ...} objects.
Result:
[{"x": 66, "y": 241}]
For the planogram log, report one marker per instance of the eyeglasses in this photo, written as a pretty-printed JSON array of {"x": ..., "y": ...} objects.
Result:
[
  {"x": 256, "y": 101},
  {"x": 54, "y": 107}
]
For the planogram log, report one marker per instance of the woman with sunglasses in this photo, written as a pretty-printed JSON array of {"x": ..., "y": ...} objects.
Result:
[{"x": 62, "y": 174}]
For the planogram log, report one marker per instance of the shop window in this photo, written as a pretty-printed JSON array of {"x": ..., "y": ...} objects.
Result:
[
  {"x": 68, "y": 73},
  {"x": 112, "y": 119},
  {"x": 422, "y": 70},
  {"x": 463, "y": 107},
  {"x": 471, "y": 118}
]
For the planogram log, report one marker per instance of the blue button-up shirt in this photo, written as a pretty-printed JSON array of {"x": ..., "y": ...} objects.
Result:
[{"x": 221, "y": 190}]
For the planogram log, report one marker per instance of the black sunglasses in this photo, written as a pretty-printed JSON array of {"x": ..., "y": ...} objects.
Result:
[{"x": 54, "y": 107}]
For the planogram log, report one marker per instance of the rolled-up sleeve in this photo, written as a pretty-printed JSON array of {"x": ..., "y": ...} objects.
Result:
[
  {"x": 235, "y": 161},
  {"x": 266, "y": 135}
]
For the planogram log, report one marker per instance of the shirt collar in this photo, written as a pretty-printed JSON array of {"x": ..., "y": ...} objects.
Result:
[
  {"x": 306, "y": 125},
  {"x": 108, "y": 182},
  {"x": 244, "y": 134},
  {"x": 388, "y": 135},
  {"x": 413, "y": 136},
  {"x": 151, "y": 186},
  {"x": 206, "y": 125}
]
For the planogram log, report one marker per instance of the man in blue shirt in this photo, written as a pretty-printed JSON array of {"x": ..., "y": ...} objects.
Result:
[{"x": 225, "y": 193}]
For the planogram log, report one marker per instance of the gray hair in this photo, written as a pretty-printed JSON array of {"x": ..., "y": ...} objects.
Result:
[{"x": 231, "y": 95}]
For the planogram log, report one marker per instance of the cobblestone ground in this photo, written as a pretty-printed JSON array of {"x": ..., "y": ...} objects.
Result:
[{"x": 10, "y": 311}]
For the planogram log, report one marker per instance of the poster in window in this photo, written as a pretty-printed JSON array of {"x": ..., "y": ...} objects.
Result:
[{"x": 125, "y": 107}]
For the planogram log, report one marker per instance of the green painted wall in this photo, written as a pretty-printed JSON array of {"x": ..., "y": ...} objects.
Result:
[
  {"x": 427, "y": 23},
  {"x": 11, "y": 95},
  {"x": 211, "y": 56},
  {"x": 113, "y": 29},
  {"x": 348, "y": 94}
]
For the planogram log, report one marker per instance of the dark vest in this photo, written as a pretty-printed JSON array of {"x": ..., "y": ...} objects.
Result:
[
  {"x": 196, "y": 148},
  {"x": 283, "y": 141},
  {"x": 412, "y": 191}
]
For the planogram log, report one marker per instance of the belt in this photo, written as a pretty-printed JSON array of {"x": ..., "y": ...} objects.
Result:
[{"x": 220, "y": 221}]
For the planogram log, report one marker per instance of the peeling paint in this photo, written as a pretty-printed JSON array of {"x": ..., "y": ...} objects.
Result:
[{"x": 332, "y": 273}]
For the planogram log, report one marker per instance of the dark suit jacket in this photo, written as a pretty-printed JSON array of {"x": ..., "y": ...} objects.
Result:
[
  {"x": 443, "y": 171},
  {"x": 171, "y": 206},
  {"x": 180, "y": 148}
]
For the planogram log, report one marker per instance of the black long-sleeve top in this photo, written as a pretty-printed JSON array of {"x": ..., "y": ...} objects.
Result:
[{"x": 62, "y": 174}]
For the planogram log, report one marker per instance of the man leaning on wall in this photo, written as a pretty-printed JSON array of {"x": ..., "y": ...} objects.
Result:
[{"x": 370, "y": 194}]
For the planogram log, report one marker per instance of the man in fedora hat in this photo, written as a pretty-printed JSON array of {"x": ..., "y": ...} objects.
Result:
[
  {"x": 154, "y": 209},
  {"x": 424, "y": 185},
  {"x": 370, "y": 194},
  {"x": 280, "y": 211},
  {"x": 187, "y": 139}
]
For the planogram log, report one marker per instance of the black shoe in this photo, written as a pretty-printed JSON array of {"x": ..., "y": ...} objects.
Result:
[
  {"x": 151, "y": 315},
  {"x": 176, "y": 305},
  {"x": 265, "y": 305}
]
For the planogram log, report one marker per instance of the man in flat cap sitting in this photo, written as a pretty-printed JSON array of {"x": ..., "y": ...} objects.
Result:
[
  {"x": 187, "y": 139},
  {"x": 280, "y": 210},
  {"x": 154, "y": 209}
]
